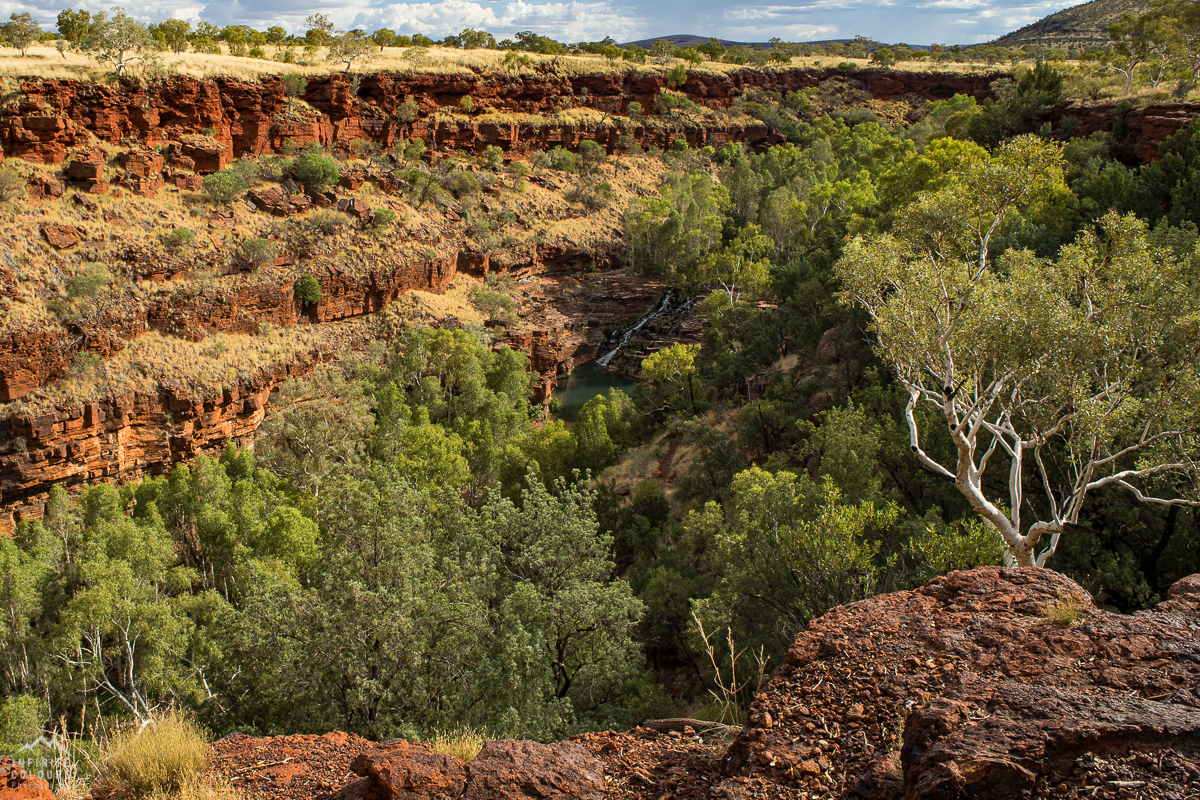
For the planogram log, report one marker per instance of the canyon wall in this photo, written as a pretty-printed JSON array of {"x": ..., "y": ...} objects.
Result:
[{"x": 217, "y": 120}]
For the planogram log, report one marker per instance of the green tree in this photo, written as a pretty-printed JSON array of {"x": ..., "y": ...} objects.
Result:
[
  {"x": 117, "y": 41},
  {"x": 1070, "y": 369},
  {"x": 669, "y": 377},
  {"x": 21, "y": 31},
  {"x": 346, "y": 48},
  {"x": 316, "y": 170},
  {"x": 224, "y": 186},
  {"x": 566, "y": 634},
  {"x": 173, "y": 34},
  {"x": 785, "y": 551},
  {"x": 320, "y": 29},
  {"x": 74, "y": 25},
  {"x": 384, "y": 37}
]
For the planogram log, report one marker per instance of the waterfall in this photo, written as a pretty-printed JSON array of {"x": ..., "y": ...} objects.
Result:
[{"x": 669, "y": 305}]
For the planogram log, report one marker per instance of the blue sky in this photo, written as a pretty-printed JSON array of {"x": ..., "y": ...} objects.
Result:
[{"x": 911, "y": 21}]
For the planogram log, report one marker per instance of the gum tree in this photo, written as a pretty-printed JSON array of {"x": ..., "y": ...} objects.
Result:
[
  {"x": 118, "y": 40},
  {"x": 1081, "y": 372}
]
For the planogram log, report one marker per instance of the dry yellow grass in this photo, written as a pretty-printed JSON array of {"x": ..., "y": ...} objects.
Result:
[
  {"x": 46, "y": 62},
  {"x": 155, "y": 760},
  {"x": 461, "y": 743}
]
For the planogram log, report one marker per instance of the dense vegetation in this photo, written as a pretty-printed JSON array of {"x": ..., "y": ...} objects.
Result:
[{"x": 412, "y": 546}]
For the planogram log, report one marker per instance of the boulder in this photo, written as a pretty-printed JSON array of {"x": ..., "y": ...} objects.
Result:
[
  {"x": 352, "y": 178},
  {"x": 87, "y": 167},
  {"x": 142, "y": 163},
  {"x": 356, "y": 208},
  {"x": 61, "y": 236},
  {"x": 518, "y": 770},
  {"x": 404, "y": 771},
  {"x": 276, "y": 202}
]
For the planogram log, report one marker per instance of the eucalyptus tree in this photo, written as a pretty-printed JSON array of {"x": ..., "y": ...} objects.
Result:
[{"x": 1080, "y": 371}]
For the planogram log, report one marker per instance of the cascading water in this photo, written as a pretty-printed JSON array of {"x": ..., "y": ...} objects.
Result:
[{"x": 671, "y": 305}]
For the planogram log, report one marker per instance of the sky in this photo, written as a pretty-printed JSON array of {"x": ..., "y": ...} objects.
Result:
[{"x": 891, "y": 21}]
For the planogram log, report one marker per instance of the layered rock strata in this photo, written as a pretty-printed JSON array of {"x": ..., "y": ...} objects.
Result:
[{"x": 210, "y": 122}]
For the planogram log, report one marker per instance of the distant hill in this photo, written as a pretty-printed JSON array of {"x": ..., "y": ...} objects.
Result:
[
  {"x": 691, "y": 40},
  {"x": 1075, "y": 28}
]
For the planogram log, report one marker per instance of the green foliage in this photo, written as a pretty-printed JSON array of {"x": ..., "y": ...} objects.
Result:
[
  {"x": 384, "y": 218},
  {"x": 307, "y": 290},
  {"x": 1070, "y": 338},
  {"x": 225, "y": 186},
  {"x": 316, "y": 170},
  {"x": 675, "y": 231},
  {"x": 785, "y": 551},
  {"x": 259, "y": 252},
  {"x": 669, "y": 378},
  {"x": 467, "y": 104},
  {"x": 178, "y": 237}
]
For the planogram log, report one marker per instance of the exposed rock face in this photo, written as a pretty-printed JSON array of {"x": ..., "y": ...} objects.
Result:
[
  {"x": 58, "y": 116},
  {"x": 962, "y": 689},
  {"x": 1143, "y": 129},
  {"x": 122, "y": 438}
]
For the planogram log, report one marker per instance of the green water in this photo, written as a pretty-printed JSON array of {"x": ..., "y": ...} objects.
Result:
[{"x": 585, "y": 382}]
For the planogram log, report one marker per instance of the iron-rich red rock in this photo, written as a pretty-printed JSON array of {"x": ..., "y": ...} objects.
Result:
[
  {"x": 356, "y": 208},
  {"x": 61, "y": 236},
  {"x": 17, "y": 784},
  {"x": 401, "y": 771},
  {"x": 519, "y": 770}
]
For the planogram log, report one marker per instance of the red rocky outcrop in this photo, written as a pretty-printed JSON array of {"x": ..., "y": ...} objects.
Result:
[
  {"x": 963, "y": 689},
  {"x": 504, "y": 770},
  {"x": 210, "y": 122},
  {"x": 125, "y": 437},
  {"x": 17, "y": 784},
  {"x": 61, "y": 236}
]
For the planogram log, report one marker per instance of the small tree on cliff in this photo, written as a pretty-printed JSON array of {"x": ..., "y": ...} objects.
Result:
[
  {"x": 1080, "y": 371},
  {"x": 346, "y": 48},
  {"x": 117, "y": 41}
]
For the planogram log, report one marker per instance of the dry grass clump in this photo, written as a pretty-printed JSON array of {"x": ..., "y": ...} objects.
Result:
[
  {"x": 1065, "y": 612},
  {"x": 159, "y": 759},
  {"x": 461, "y": 743}
]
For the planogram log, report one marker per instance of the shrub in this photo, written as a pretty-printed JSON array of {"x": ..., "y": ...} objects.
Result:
[
  {"x": 383, "y": 218},
  {"x": 462, "y": 183},
  {"x": 316, "y": 171},
  {"x": 327, "y": 222},
  {"x": 634, "y": 109},
  {"x": 493, "y": 305},
  {"x": 160, "y": 759},
  {"x": 87, "y": 284},
  {"x": 467, "y": 104},
  {"x": 275, "y": 168},
  {"x": 562, "y": 159},
  {"x": 308, "y": 290},
  {"x": 591, "y": 155},
  {"x": 178, "y": 237},
  {"x": 12, "y": 185},
  {"x": 225, "y": 186},
  {"x": 407, "y": 111},
  {"x": 257, "y": 52},
  {"x": 259, "y": 252},
  {"x": 363, "y": 148},
  {"x": 847, "y": 66},
  {"x": 493, "y": 157}
]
